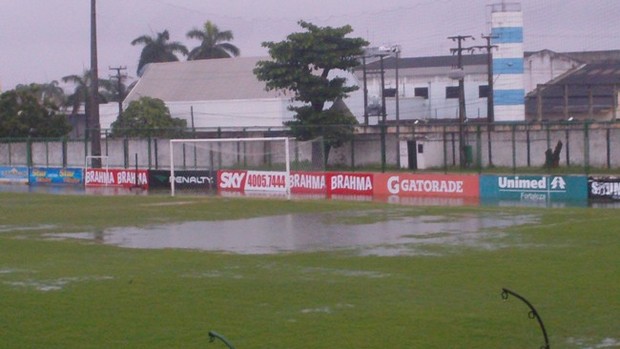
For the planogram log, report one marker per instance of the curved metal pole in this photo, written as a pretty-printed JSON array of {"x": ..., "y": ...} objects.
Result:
[
  {"x": 213, "y": 335},
  {"x": 532, "y": 314}
]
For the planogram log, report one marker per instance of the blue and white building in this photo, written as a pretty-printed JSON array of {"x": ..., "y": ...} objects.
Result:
[{"x": 508, "y": 68}]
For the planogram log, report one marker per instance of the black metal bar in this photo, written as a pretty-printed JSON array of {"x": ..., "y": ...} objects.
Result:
[
  {"x": 214, "y": 335},
  {"x": 533, "y": 314}
]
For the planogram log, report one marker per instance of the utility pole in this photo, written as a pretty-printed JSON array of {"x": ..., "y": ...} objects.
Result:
[
  {"x": 462, "y": 114},
  {"x": 119, "y": 87},
  {"x": 488, "y": 47},
  {"x": 490, "y": 103},
  {"x": 94, "y": 89}
]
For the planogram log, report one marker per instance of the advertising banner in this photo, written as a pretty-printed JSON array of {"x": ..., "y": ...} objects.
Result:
[
  {"x": 183, "y": 179},
  {"x": 99, "y": 177},
  {"x": 427, "y": 185},
  {"x": 251, "y": 181},
  {"x": 349, "y": 183},
  {"x": 41, "y": 175},
  {"x": 308, "y": 183},
  {"x": 604, "y": 188},
  {"x": 534, "y": 188},
  {"x": 13, "y": 174}
]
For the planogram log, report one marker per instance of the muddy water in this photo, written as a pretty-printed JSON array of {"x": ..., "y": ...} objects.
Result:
[{"x": 315, "y": 232}]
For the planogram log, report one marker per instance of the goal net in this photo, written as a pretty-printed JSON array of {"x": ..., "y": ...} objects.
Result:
[{"x": 240, "y": 166}]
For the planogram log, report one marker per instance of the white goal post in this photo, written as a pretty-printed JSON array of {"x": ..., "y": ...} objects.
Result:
[{"x": 256, "y": 157}]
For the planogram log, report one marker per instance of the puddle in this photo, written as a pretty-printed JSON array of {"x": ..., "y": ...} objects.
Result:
[
  {"x": 315, "y": 232},
  {"x": 52, "y": 285}
]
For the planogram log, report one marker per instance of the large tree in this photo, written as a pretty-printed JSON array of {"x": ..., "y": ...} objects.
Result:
[
  {"x": 23, "y": 114},
  {"x": 158, "y": 49},
  {"x": 302, "y": 64},
  {"x": 147, "y": 117},
  {"x": 213, "y": 43}
]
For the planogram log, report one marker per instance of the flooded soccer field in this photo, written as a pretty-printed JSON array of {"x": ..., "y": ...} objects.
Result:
[{"x": 421, "y": 273}]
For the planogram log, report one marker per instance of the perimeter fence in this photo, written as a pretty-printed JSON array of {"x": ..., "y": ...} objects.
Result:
[{"x": 575, "y": 147}]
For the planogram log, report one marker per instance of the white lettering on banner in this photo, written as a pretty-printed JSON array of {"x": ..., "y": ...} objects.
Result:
[
  {"x": 395, "y": 185},
  {"x": 606, "y": 188},
  {"x": 231, "y": 180},
  {"x": 99, "y": 177},
  {"x": 358, "y": 183},
  {"x": 516, "y": 183},
  {"x": 308, "y": 181},
  {"x": 193, "y": 180},
  {"x": 129, "y": 177},
  {"x": 533, "y": 197}
]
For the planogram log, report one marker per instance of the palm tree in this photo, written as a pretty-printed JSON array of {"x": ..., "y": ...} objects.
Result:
[
  {"x": 46, "y": 92},
  {"x": 213, "y": 43},
  {"x": 158, "y": 49},
  {"x": 81, "y": 92}
]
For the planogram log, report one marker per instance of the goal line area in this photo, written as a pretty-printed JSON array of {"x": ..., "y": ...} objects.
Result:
[{"x": 261, "y": 164}]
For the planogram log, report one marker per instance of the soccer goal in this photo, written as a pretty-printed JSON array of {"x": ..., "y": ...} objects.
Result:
[
  {"x": 245, "y": 166},
  {"x": 237, "y": 165}
]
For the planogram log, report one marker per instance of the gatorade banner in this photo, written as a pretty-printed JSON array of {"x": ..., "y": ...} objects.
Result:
[{"x": 427, "y": 185}]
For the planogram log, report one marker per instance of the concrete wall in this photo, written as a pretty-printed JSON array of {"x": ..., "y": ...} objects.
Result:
[{"x": 519, "y": 145}]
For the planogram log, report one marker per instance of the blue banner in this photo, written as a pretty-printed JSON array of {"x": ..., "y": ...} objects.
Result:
[
  {"x": 14, "y": 174},
  {"x": 56, "y": 176},
  {"x": 534, "y": 188}
]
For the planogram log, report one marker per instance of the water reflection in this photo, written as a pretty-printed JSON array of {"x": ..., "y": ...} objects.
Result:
[{"x": 316, "y": 232}]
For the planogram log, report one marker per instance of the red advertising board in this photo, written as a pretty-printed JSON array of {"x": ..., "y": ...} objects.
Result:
[
  {"x": 308, "y": 183},
  {"x": 349, "y": 183},
  {"x": 99, "y": 177},
  {"x": 427, "y": 185}
]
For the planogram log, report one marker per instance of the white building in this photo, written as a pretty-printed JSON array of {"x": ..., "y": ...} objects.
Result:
[{"x": 214, "y": 93}]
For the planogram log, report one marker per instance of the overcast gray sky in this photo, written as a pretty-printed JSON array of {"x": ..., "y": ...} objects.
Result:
[{"x": 44, "y": 40}]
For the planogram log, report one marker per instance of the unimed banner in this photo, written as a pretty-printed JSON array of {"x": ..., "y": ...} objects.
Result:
[
  {"x": 534, "y": 188},
  {"x": 99, "y": 177},
  {"x": 427, "y": 185},
  {"x": 39, "y": 175},
  {"x": 183, "y": 179}
]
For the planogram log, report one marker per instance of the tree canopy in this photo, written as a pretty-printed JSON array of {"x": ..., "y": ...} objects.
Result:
[
  {"x": 302, "y": 64},
  {"x": 158, "y": 49},
  {"x": 147, "y": 117},
  {"x": 23, "y": 114},
  {"x": 213, "y": 43}
]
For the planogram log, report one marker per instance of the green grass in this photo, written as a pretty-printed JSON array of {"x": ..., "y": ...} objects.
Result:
[{"x": 110, "y": 297}]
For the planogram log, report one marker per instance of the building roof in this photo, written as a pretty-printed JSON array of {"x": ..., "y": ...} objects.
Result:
[
  {"x": 592, "y": 84},
  {"x": 203, "y": 80},
  {"x": 428, "y": 62}
]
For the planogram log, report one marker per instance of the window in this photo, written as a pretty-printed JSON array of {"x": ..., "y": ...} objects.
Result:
[
  {"x": 421, "y": 92},
  {"x": 483, "y": 91},
  {"x": 452, "y": 92},
  {"x": 389, "y": 92}
]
